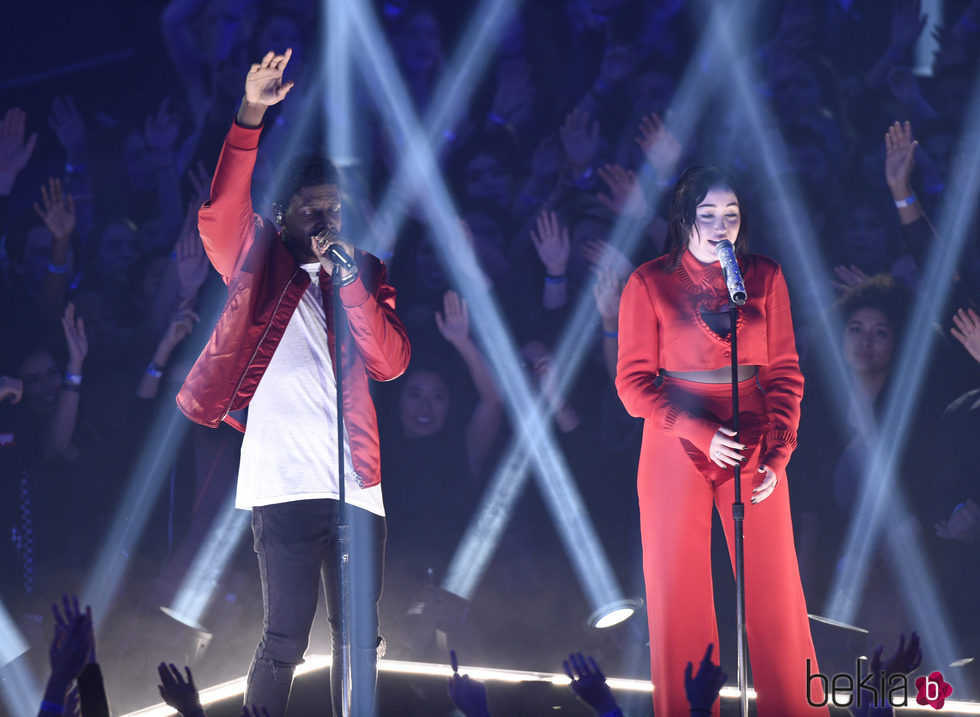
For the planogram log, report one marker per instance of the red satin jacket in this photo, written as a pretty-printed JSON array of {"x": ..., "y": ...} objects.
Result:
[
  {"x": 661, "y": 327},
  {"x": 265, "y": 285}
]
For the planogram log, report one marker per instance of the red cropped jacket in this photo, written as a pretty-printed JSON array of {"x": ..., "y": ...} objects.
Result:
[
  {"x": 661, "y": 327},
  {"x": 265, "y": 285}
]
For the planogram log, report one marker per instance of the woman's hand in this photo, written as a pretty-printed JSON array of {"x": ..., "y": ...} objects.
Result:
[
  {"x": 724, "y": 450},
  {"x": 768, "y": 485}
]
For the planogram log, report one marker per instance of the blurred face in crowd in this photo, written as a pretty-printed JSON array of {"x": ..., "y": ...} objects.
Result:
[
  {"x": 310, "y": 211},
  {"x": 487, "y": 179},
  {"x": 798, "y": 91},
  {"x": 718, "y": 217},
  {"x": 119, "y": 248},
  {"x": 428, "y": 268},
  {"x": 42, "y": 382},
  {"x": 868, "y": 342},
  {"x": 418, "y": 44},
  {"x": 140, "y": 172},
  {"x": 652, "y": 92},
  {"x": 865, "y": 238},
  {"x": 584, "y": 231},
  {"x": 424, "y": 404}
]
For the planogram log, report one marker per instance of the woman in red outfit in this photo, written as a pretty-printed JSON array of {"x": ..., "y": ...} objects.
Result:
[{"x": 674, "y": 370}]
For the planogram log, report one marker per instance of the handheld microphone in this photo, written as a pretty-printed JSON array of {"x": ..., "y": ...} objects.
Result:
[
  {"x": 328, "y": 238},
  {"x": 733, "y": 276}
]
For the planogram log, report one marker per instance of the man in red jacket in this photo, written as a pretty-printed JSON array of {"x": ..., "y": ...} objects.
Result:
[{"x": 272, "y": 350}]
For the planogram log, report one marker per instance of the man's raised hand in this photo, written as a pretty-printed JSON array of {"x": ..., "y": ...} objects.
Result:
[
  {"x": 264, "y": 87},
  {"x": 263, "y": 84}
]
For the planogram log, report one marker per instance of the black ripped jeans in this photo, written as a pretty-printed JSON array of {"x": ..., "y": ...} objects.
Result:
[{"x": 296, "y": 544}]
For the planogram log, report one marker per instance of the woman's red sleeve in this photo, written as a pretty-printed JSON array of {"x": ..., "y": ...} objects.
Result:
[
  {"x": 781, "y": 379},
  {"x": 639, "y": 363}
]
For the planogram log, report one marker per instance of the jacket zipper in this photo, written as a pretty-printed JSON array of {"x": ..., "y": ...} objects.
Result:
[{"x": 259, "y": 344}]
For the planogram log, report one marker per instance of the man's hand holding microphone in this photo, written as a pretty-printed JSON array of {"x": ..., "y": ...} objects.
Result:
[{"x": 333, "y": 250}]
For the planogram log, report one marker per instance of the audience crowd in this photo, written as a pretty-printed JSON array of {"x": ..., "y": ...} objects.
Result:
[{"x": 578, "y": 127}]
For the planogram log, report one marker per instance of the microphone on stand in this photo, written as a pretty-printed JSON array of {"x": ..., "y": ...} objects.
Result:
[
  {"x": 733, "y": 276},
  {"x": 328, "y": 238}
]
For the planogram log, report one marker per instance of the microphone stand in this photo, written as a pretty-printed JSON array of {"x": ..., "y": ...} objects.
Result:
[
  {"x": 738, "y": 514},
  {"x": 343, "y": 524}
]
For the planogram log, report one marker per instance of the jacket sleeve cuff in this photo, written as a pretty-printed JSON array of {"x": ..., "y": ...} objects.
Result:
[
  {"x": 698, "y": 431},
  {"x": 779, "y": 448},
  {"x": 243, "y": 137},
  {"x": 354, "y": 294}
]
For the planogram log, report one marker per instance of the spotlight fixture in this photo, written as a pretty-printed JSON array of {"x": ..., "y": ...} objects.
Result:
[{"x": 614, "y": 613}]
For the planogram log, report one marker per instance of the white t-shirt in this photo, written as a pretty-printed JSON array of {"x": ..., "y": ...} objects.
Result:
[{"x": 289, "y": 451}]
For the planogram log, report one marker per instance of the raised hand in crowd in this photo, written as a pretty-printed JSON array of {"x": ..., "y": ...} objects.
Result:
[
  {"x": 179, "y": 693},
  {"x": 661, "y": 148},
  {"x": 553, "y": 245},
  {"x": 454, "y": 322},
  {"x": 62, "y": 429},
  {"x": 900, "y": 150},
  {"x": 484, "y": 424},
  {"x": 72, "y": 647},
  {"x": 541, "y": 364},
  {"x": 15, "y": 151},
  {"x": 580, "y": 139},
  {"x": 702, "y": 688},
  {"x": 181, "y": 325},
  {"x": 607, "y": 291},
  {"x": 58, "y": 213},
  {"x": 601, "y": 254},
  {"x": 963, "y": 525},
  {"x": 966, "y": 330},
  {"x": 469, "y": 696},
  {"x": 589, "y": 684},
  {"x": 264, "y": 87},
  {"x": 625, "y": 194},
  {"x": 12, "y": 388},
  {"x": 513, "y": 98},
  {"x": 904, "y": 660},
  {"x": 69, "y": 127},
  {"x": 192, "y": 261},
  {"x": 75, "y": 338},
  {"x": 848, "y": 277}
]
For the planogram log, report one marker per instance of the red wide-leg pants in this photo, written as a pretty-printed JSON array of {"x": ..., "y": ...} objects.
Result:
[{"x": 677, "y": 488}]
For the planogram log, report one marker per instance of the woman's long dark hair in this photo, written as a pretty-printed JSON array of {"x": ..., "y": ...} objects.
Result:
[{"x": 692, "y": 187}]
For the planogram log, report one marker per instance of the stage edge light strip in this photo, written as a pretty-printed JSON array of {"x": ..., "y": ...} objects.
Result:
[{"x": 233, "y": 688}]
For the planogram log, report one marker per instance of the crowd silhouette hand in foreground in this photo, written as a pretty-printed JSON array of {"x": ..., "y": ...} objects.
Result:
[
  {"x": 179, "y": 693},
  {"x": 702, "y": 688},
  {"x": 904, "y": 660},
  {"x": 589, "y": 684},
  {"x": 72, "y": 648},
  {"x": 470, "y": 696}
]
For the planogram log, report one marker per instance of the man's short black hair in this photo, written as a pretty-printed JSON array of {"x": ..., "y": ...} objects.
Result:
[{"x": 305, "y": 170}]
